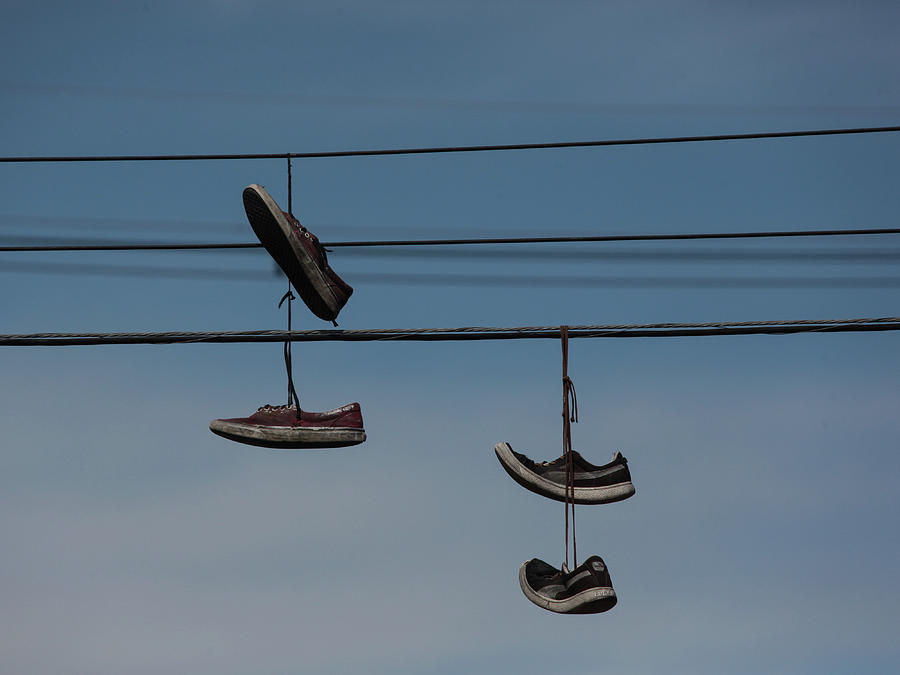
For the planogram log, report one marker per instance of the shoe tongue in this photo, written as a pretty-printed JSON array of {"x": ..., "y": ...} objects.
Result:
[{"x": 564, "y": 568}]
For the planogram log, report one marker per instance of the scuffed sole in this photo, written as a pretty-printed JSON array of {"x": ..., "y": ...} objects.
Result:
[
  {"x": 590, "y": 601},
  {"x": 529, "y": 480},
  {"x": 288, "y": 438}
]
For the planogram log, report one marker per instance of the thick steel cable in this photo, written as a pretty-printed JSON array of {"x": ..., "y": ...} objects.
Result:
[
  {"x": 475, "y": 241},
  {"x": 464, "y": 333},
  {"x": 458, "y": 148}
]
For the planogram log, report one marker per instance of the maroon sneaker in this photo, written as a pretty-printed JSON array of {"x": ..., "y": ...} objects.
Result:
[
  {"x": 278, "y": 427},
  {"x": 298, "y": 252}
]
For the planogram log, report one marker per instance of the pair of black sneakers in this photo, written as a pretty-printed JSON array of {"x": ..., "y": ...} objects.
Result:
[
  {"x": 586, "y": 589},
  {"x": 305, "y": 262}
]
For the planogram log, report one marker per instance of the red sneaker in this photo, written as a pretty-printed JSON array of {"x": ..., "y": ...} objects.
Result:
[
  {"x": 298, "y": 252},
  {"x": 279, "y": 427}
]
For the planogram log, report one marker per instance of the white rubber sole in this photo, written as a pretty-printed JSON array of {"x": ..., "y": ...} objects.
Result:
[
  {"x": 288, "y": 438},
  {"x": 540, "y": 485},
  {"x": 591, "y": 601}
]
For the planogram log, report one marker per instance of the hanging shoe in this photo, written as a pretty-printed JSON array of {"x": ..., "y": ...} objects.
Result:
[
  {"x": 585, "y": 590},
  {"x": 278, "y": 427},
  {"x": 298, "y": 252},
  {"x": 593, "y": 484}
]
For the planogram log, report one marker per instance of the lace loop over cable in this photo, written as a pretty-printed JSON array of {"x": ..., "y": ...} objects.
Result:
[{"x": 293, "y": 399}]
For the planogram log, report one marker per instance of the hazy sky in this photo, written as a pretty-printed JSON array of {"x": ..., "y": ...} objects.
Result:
[{"x": 762, "y": 537}]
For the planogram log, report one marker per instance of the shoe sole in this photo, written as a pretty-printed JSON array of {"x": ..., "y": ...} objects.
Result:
[
  {"x": 590, "y": 601},
  {"x": 529, "y": 480},
  {"x": 288, "y": 438},
  {"x": 278, "y": 237}
]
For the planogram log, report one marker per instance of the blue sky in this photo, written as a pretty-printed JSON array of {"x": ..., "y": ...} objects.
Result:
[{"x": 762, "y": 535}]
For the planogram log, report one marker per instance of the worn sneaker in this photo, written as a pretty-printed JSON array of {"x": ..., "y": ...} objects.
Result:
[
  {"x": 278, "y": 427},
  {"x": 585, "y": 590},
  {"x": 593, "y": 484},
  {"x": 298, "y": 252}
]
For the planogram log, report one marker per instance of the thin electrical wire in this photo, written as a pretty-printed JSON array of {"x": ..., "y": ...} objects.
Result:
[
  {"x": 458, "y": 148},
  {"x": 468, "y": 242},
  {"x": 636, "y": 282},
  {"x": 582, "y": 254},
  {"x": 591, "y": 254},
  {"x": 459, "y": 279},
  {"x": 9, "y": 220},
  {"x": 462, "y": 334},
  {"x": 126, "y": 247}
]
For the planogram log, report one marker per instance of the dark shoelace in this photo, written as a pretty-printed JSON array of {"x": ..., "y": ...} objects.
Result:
[
  {"x": 569, "y": 414},
  {"x": 293, "y": 399}
]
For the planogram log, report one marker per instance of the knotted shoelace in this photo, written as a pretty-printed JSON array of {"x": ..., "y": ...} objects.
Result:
[{"x": 569, "y": 414}]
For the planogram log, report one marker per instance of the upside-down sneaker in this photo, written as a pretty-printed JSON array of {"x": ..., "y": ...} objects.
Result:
[
  {"x": 279, "y": 427},
  {"x": 585, "y": 590},
  {"x": 298, "y": 252},
  {"x": 593, "y": 484}
]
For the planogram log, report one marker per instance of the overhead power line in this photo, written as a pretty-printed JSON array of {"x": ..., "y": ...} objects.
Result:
[
  {"x": 609, "y": 281},
  {"x": 68, "y": 222},
  {"x": 127, "y": 247},
  {"x": 580, "y": 281},
  {"x": 458, "y": 148},
  {"x": 569, "y": 254},
  {"x": 462, "y": 334},
  {"x": 466, "y": 242}
]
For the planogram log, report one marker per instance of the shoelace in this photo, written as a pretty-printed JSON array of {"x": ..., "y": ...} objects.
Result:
[
  {"x": 293, "y": 399},
  {"x": 303, "y": 232}
]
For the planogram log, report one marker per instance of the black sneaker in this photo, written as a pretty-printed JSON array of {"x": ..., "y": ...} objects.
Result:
[
  {"x": 593, "y": 484},
  {"x": 585, "y": 590}
]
